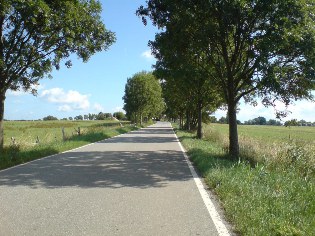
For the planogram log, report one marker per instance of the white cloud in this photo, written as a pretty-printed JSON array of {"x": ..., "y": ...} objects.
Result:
[
  {"x": 302, "y": 110},
  {"x": 117, "y": 109},
  {"x": 98, "y": 107},
  {"x": 148, "y": 55},
  {"x": 70, "y": 100},
  {"x": 65, "y": 108}
]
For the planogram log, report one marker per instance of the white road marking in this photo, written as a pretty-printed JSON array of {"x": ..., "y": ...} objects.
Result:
[{"x": 221, "y": 228}]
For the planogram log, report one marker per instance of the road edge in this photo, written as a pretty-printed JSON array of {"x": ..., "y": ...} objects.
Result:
[{"x": 215, "y": 216}]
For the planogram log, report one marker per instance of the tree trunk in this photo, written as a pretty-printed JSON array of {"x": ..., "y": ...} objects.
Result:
[
  {"x": 188, "y": 121},
  {"x": 233, "y": 135},
  {"x": 2, "y": 99},
  {"x": 180, "y": 122},
  {"x": 199, "y": 130}
]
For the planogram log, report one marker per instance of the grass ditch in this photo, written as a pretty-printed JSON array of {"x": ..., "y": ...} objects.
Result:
[
  {"x": 268, "y": 192},
  {"x": 24, "y": 149}
]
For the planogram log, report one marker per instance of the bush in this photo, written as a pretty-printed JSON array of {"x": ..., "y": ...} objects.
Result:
[{"x": 50, "y": 118}]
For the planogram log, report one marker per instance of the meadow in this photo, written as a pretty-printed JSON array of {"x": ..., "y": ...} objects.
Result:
[
  {"x": 29, "y": 140},
  {"x": 271, "y": 189}
]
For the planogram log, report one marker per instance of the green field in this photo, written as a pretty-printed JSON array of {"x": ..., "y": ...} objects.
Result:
[
  {"x": 26, "y": 132},
  {"x": 36, "y": 139},
  {"x": 271, "y": 189},
  {"x": 271, "y": 133}
]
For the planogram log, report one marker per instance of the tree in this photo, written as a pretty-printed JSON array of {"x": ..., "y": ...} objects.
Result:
[
  {"x": 181, "y": 67},
  {"x": 50, "y": 118},
  {"x": 223, "y": 120},
  {"x": 92, "y": 116},
  {"x": 184, "y": 84},
  {"x": 37, "y": 35},
  {"x": 119, "y": 115},
  {"x": 260, "y": 120},
  {"x": 101, "y": 116},
  {"x": 108, "y": 115},
  {"x": 213, "y": 119},
  {"x": 273, "y": 122},
  {"x": 143, "y": 97},
  {"x": 79, "y": 117},
  {"x": 302, "y": 122},
  {"x": 292, "y": 122},
  {"x": 255, "y": 48}
]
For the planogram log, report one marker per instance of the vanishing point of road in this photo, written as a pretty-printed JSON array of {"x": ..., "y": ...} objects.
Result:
[{"x": 134, "y": 184}]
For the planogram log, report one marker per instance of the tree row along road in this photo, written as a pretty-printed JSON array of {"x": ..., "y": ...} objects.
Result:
[{"x": 134, "y": 184}]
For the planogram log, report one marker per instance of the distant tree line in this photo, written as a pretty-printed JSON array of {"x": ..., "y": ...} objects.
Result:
[
  {"x": 90, "y": 116},
  {"x": 295, "y": 122},
  {"x": 263, "y": 121}
]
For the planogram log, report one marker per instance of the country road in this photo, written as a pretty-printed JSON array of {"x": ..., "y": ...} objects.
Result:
[{"x": 134, "y": 184}]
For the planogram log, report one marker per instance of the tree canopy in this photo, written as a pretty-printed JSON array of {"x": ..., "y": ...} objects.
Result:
[
  {"x": 143, "y": 97},
  {"x": 249, "y": 48},
  {"x": 38, "y": 35}
]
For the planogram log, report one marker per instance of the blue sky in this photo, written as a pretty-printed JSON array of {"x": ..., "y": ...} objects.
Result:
[{"x": 98, "y": 85}]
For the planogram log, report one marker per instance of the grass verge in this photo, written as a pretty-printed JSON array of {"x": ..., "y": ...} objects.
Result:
[
  {"x": 22, "y": 152},
  {"x": 263, "y": 199}
]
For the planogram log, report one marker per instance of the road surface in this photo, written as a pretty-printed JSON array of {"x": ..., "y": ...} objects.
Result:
[{"x": 134, "y": 184}]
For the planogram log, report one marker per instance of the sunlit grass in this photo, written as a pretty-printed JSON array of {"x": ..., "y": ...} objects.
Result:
[
  {"x": 271, "y": 197},
  {"x": 25, "y": 147}
]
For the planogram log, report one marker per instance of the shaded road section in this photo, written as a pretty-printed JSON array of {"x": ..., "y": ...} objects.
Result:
[{"x": 134, "y": 184}]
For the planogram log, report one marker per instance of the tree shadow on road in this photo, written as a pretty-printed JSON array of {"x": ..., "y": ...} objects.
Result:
[
  {"x": 102, "y": 166},
  {"x": 101, "y": 170}
]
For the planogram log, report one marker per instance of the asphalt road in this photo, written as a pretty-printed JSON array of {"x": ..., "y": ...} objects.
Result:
[{"x": 135, "y": 184}]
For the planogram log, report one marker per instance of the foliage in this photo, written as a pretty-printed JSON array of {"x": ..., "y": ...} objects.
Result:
[
  {"x": 292, "y": 122},
  {"x": 50, "y": 118},
  {"x": 180, "y": 66},
  {"x": 79, "y": 117},
  {"x": 102, "y": 116},
  {"x": 37, "y": 35},
  {"x": 257, "y": 121},
  {"x": 262, "y": 121},
  {"x": 249, "y": 49},
  {"x": 143, "y": 97},
  {"x": 223, "y": 120},
  {"x": 119, "y": 115},
  {"x": 273, "y": 122}
]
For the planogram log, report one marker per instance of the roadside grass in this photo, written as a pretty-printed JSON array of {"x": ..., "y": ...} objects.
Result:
[
  {"x": 25, "y": 133},
  {"x": 260, "y": 197}
]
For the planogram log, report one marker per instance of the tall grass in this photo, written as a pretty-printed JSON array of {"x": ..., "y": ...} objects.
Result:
[
  {"x": 269, "y": 191},
  {"x": 25, "y": 148},
  {"x": 283, "y": 153}
]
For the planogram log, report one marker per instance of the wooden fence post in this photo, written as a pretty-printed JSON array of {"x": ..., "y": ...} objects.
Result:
[{"x": 63, "y": 134}]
